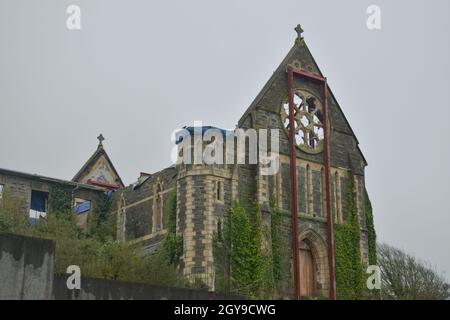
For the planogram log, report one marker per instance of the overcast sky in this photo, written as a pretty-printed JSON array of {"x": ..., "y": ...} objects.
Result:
[{"x": 137, "y": 70}]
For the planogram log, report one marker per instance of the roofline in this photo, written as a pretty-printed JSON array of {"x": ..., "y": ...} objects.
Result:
[
  {"x": 100, "y": 150},
  {"x": 49, "y": 179},
  {"x": 272, "y": 79},
  {"x": 267, "y": 85},
  {"x": 338, "y": 105}
]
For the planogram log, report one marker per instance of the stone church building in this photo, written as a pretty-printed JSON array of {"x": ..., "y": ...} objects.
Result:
[{"x": 205, "y": 193}]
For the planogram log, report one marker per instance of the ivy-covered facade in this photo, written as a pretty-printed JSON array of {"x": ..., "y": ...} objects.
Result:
[{"x": 233, "y": 226}]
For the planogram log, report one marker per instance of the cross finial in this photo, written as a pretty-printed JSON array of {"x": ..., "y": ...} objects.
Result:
[
  {"x": 100, "y": 140},
  {"x": 299, "y": 31}
]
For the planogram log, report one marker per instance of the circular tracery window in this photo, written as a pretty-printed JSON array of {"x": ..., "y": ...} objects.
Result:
[{"x": 308, "y": 122}]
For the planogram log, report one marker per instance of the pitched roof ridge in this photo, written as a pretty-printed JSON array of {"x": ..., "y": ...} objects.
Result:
[{"x": 99, "y": 152}]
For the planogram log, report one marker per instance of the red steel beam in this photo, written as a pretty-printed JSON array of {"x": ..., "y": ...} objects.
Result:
[
  {"x": 293, "y": 165},
  {"x": 330, "y": 223},
  {"x": 103, "y": 184}
]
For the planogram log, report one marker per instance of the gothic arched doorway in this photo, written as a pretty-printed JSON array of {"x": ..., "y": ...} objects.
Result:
[
  {"x": 314, "y": 274},
  {"x": 307, "y": 271}
]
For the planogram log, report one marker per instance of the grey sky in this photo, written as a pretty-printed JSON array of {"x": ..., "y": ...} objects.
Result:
[{"x": 139, "y": 69}]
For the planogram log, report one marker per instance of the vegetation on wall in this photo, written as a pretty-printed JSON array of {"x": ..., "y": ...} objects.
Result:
[
  {"x": 60, "y": 200},
  {"x": 221, "y": 252},
  {"x": 12, "y": 218},
  {"x": 97, "y": 256},
  {"x": 246, "y": 256},
  {"x": 248, "y": 253},
  {"x": 349, "y": 269},
  {"x": 279, "y": 256},
  {"x": 240, "y": 240},
  {"x": 371, "y": 234},
  {"x": 102, "y": 220},
  {"x": 173, "y": 243}
]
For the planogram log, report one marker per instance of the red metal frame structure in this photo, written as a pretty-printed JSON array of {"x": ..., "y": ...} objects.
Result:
[
  {"x": 103, "y": 184},
  {"x": 293, "y": 165}
]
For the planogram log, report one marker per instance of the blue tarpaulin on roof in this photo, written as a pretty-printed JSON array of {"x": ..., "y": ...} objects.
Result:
[{"x": 181, "y": 134}]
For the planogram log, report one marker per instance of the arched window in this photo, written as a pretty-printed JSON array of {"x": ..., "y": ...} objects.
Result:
[
  {"x": 324, "y": 192},
  {"x": 309, "y": 208},
  {"x": 158, "y": 208},
  {"x": 337, "y": 197}
]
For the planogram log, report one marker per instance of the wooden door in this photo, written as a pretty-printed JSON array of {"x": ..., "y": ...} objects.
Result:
[{"x": 307, "y": 272}]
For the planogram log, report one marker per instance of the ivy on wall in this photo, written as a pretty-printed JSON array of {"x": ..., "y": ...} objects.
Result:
[
  {"x": 241, "y": 264},
  {"x": 60, "y": 200},
  {"x": 221, "y": 253},
  {"x": 371, "y": 234},
  {"x": 173, "y": 243},
  {"x": 253, "y": 262},
  {"x": 349, "y": 269},
  {"x": 248, "y": 254},
  {"x": 278, "y": 259},
  {"x": 103, "y": 220}
]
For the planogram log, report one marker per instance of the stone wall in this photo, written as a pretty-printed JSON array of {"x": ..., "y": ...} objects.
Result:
[
  {"x": 205, "y": 194},
  {"x": 142, "y": 209},
  {"x": 346, "y": 160},
  {"x": 20, "y": 186}
]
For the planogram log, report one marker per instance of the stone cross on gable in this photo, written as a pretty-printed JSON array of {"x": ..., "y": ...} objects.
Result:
[
  {"x": 299, "y": 31},
  {"x": 100, "y": 140}
]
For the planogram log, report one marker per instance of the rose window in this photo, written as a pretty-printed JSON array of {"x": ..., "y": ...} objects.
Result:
[{"x": 308, "y": 121}]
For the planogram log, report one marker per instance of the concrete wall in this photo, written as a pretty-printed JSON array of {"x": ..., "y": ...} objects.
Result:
[
  {"x": 100, "y": 289},
  {"x": 26, "y": 272},
  {"x": 26, "y": 267}
]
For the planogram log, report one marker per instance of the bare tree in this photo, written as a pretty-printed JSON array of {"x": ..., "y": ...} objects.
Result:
[{"x": 405, "y": 277}]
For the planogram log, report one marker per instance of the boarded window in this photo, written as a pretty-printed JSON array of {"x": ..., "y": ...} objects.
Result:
[
  {"x": 2, "y": 187},
  {"x": 82, "y": 206},
  {"x": 39, "y": 206},
  {"x": 219, "y": 190}
]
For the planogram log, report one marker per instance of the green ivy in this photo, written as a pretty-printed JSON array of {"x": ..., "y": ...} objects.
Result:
[
  {"x": 349, "y": 270},
  {"x": 103, "y": 220},
  {"x": 371, "y": 234},
  {"x": 173, "y": 244},
  {"x": 60, "y": 200},
  {"x": 276, "y": 241},
  {"x": 240, "y": 260},
  {"x": 221, "y": 252}
]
